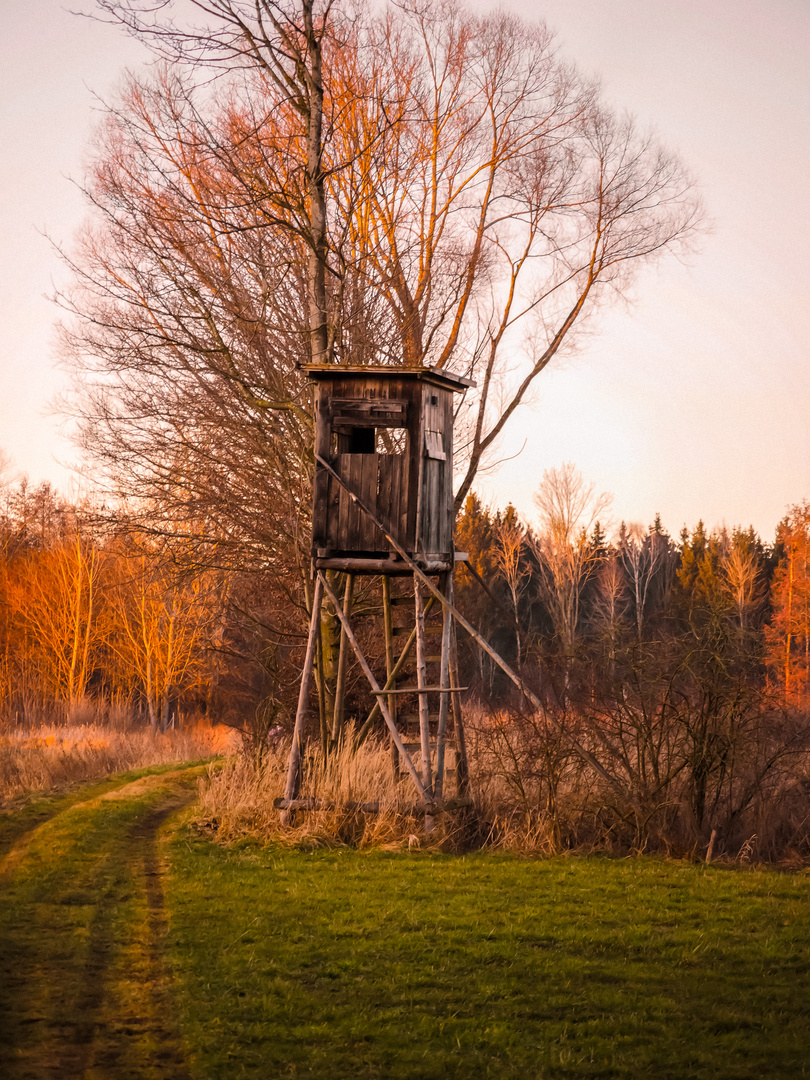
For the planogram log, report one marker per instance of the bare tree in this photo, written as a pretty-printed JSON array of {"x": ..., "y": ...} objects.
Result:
[
  {"x": 641, "y": 553},
  {"x": 510, "y": 545},
  {"x": 568, "y": 508},
  {"x": 419, "y": 170},
  {"x": 609, "y": 603},
  {"x": 741, "y": 566}
]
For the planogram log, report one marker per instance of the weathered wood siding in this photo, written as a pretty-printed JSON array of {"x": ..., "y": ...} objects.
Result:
[
  {"x": 410, "y": 492},
  {"x": 436, "y": 529}
]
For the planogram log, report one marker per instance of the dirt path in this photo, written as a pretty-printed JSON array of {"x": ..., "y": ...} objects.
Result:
[{"x": 84, "y": 990}]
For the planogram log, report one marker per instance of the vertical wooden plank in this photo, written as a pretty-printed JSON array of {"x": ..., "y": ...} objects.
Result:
[
  {"x": 386, "y": 472},
  {"x": 371, "y": 538},
  {"x": 415, "y": 458},
  {"x": 334, "y": 496},
  {"x": 404, "y": 488},
  {"x": 354, "y": 515},
  {"x": 393, "y": 510},
  {"x": 433, "y": 509},
  {"x": 320, "y": 486},
  {"x": 446, "y": 535},
  {"x": 343, "y": 530}
]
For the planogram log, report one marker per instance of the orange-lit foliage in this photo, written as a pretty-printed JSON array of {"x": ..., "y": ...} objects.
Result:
[
  {"x": 788, "y": 636},
  {"x": 86, "y": 616},
  {"x": 52, "y": 595},
  {"x": 161, "y": 629}
]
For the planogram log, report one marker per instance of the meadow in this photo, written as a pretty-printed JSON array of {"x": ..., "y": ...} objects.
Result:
[
  {"x": 347, "y": 964},
  {"x": 136, "y": 944}
]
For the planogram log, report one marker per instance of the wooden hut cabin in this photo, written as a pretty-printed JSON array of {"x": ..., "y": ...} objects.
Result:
[{"x": 387, "y": 432}]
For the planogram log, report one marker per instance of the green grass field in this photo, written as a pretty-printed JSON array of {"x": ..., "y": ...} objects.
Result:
[
  {"x": 131, "y": 946},
  {"x": 344, "y": 964}
]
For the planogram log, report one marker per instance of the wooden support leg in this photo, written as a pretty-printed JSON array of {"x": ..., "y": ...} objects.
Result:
[
  {"x": 424, "y": 703},
  {"x": 462, "y": 768},
  {"x": 444, "y": 683},
  {"x": 293, "y": 784},
  {"x": 389, "y": 667},
  {"x": 343, "y": 662},
  {"x": 320, "y": 679}
]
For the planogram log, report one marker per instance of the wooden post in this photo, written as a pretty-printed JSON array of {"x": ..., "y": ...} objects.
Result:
[
  {"x": 424, "y": 702},
  {"x": 389, "y": 666},
  {"x": 343, "y": 659},
  {"x": 444, "y": 683},
  {"x": 293, "y": 785},
  {"x": 463, "y": 768},
  {"x": 320, "y": 680}
]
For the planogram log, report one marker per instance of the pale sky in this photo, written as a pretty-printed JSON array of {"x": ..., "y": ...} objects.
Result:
[{"x": 692, "y": 401}]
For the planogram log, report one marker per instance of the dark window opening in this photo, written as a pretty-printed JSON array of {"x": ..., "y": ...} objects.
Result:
[
  {"x": 361, "y": 440},
  {"x": 366, "y": 439}
]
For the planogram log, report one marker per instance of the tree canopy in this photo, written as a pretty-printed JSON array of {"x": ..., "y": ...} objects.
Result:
[{"x": 301, "y": 179}]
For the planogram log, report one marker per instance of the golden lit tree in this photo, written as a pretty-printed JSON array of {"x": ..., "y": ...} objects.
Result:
[
  {"x": 56, "y": 624},
  {"x": 409, "y": 185},
  {"x": 163, "y": 625},
  {"x": 788, "y": 635}
]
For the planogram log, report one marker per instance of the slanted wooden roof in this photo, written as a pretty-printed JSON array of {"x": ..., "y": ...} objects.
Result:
[{"x": 448, "y": 380}]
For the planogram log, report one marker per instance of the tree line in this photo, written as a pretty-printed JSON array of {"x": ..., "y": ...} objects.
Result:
[
  {"x": 561, "y": 592},
  {"x": 91, "y": 608}
]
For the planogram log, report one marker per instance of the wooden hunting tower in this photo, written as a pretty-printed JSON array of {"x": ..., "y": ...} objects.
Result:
[
  {"x": 383, "y": 505},
  {"x": 388, "y": 434}
]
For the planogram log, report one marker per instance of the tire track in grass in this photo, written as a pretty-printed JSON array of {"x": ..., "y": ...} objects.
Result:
[
  {"x": 84, "y": 991},
  {"x": 19, "y": 822}
]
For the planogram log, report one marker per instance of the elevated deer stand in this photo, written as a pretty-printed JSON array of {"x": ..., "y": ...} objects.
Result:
[{"x": 383, "y": 505}]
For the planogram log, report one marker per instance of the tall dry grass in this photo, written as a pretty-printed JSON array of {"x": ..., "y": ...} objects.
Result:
[
  {"x": 236, "y": 801},
  {"x": 55, "y": 756},
  {"x": 509, "y": 813},
  {"x": 532, "y": 794}
]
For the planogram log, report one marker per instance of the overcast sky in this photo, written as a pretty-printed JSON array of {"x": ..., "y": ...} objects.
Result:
[{"x": 693, "y": 401}]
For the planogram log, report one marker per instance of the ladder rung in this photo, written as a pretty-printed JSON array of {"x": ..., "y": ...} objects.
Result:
[
  {"x": 403, "y": 630},
  {"x": 413, "y": 718},
  {"x": 422, "y": 690}
]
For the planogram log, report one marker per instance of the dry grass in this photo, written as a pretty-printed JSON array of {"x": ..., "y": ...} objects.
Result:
[
  {"x": 55, "y": 756},
  {"x": 237, "y": 801},
  {"x": 532, "y": 795}
]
